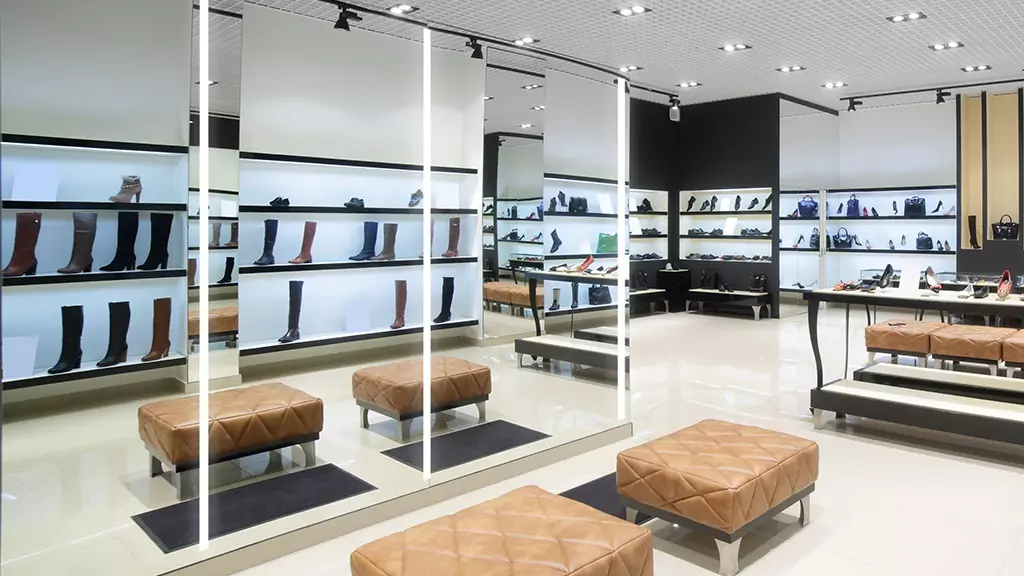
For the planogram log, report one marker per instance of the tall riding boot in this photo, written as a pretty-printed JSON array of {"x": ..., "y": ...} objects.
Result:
[
  {"x": 233, "y": 243},
  {"x": 401, "y": 291},
  {"x": 972, "y": 228},
  {"x": 575, "y": 295},
  {"x": 72, "y": 320},
  {"x": 430, "y": 249},
  {"x": 161, "y": 330},
  {"x": 124, "y": 254},
  {"x": 117, "y": 348},
  {"x": 294, "y": 309},
  {"x": 81, "y": 249},
  {"x": 26, "y": 235},
  {"x": 369, "y": 242},
  {"x": 454, "y": 224},
  {"x": 159, "y": 236},
  {"x": 269, "y": 239},
  {"x": 215, "y": 242},
  {"x": 306, "y": 253},
  {"x": 388, "y": 251},
  {"x": 229, "y": 267},
  {"x": 554, "y": 305},
  {"x": 191, "y": 271},
  {"x": 447, "y": 293}
]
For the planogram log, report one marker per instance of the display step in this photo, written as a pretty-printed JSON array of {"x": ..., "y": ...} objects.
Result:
[
  {"x": 41, "y": 279},
  {"x": 272, "y": 346},
  {"x": 953, "y": 381},
  {"x": 351, "y": 265},
  {"x": 582, "y": 309},
  {"x": 109, "y": 145},
  {"x": 729, "y": 213},
  {"x": 559, "y": 257},
  {"x": 94, "y": 206},
  {"x": 89, "y": 370},
  {"x": 606, "y": 334},
  {"x": 724, "y": 237},
  {"x": 578, "y": 215},
  {"x": 215, "y": 247},
  {"x": 645, "y": 236},
  {"x": 520, "y": 242},
  {"x": 575, "y": 350},
  {"x": 344, "y": 210},
  {"x": 213, "y": 286},
  {"x": 216, "y": 218},
  {"x": 342, "y": 162}
]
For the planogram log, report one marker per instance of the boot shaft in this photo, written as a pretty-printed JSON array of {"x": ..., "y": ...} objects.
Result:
[
  {"x": 26, "y": 230},
  {"x": 234, "y": 235},
  {"x": 161, "y": 321},
  {"x": 269, "y": 235},
  {"x": 294, "y": 303},
  {"x": 454, "y": 228},
  {"x": 72, "y": 319}
]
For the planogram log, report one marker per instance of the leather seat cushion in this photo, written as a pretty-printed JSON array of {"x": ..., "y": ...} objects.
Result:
[
  {"x": 520, "y": 296},
  {"x": 976, "y": 342},
  {"x": 398, "y": 386},
  {"x": 527, "y": 532},
  {"x": 1013, "y": 348},
  {"x": 719, "y": 474},
  {"x": 496, "y": 292},
  {"x": 902, "y": 336},
  {"x": 221, "y": 320},
  {"x": 240, "y": 419}
]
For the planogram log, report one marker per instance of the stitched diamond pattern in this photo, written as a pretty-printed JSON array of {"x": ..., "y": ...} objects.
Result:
[
  {"x": 720, "y": 474},
  {"x": 239, "y": 418},
  {"x": 965, "y": 341},
  {"x": 398, "y": 386},
  {"x": 1013, "y": 348},
  {"x": 527, "y": 532},
  {"x": 911, "y": 337}
]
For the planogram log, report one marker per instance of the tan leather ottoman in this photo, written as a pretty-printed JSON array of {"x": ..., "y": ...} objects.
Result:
[
  {"x": 719, "y": 478},
  {"x": 243, "y": 421},
  {"x": 1013, "y": 351},
  {"x": 396, "y": 389},
  {"x": 496, "y": 292},
  {"x": 527, "y": 532},
  {"x": 520, "y": 296},
  {"x": 223, "y": 326},
  {"x": 965, "y": 343},
  {"x": 899, "y": 337}
]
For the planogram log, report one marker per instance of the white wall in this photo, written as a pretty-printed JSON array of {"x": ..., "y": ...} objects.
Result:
[
  {"x": 580, "y": 126},
  {"x": 809, "y": 151},
  {"x": 520, "y": 168}
]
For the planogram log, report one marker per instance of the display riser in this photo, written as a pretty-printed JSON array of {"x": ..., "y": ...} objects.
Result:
[{"x": 165, "y": 380}]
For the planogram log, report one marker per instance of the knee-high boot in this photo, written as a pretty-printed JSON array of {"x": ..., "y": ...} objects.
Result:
[
  {"x": 294, "y": 310},
  {"x": 447, "y": 294}
]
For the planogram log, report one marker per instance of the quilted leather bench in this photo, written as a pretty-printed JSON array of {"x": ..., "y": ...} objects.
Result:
[
  {"x": 513, "y": 295},
  {"x": 396, "y": 389},
  {"x": 966, "y": 343},
  {"x": 900, "y": 338},
  {"x": 527, "y": 532},
  {"x": 223, "y": 325},
  {"x": 719, "y": 478},
  {"x": 1013, "y": 352},
  {"x": 243, "y": 421}
]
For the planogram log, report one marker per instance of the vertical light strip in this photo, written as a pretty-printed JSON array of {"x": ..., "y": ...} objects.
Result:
[
  {"x": 203, "y": 274},
  {"x": 427, "y": 224},
  {"x": 623, "y": 232}
]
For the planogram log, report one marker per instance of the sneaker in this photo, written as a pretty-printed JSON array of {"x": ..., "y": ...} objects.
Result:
[{"x": 416, "y": 198}]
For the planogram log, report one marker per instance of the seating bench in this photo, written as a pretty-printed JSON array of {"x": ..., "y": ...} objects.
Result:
[
  {"x": 223, "y": 326},
  {"x": 900, "y": 338}
]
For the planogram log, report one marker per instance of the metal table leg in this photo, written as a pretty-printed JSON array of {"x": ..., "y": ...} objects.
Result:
[
  {"x": 533, "y": 304},
  {"x": 812, "y": 326}
]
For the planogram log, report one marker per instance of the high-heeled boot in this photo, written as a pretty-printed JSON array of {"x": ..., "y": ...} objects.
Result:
[
  {"x": 447, "y": 294},
  {"x": 294, "y": 310},
  {"x": 972, "y": 229},
  {"x": 388, "y": 251},
  {"x": 575, "y": 296},
  {"x": 215, "y": 242},
  {"x": 554, "y": 305},
  {"x": 306, "y": 252},
  {"x": 454, "y": 225},
  {"x": 131, "y": 187},
  {"x": 117, "y": 347},
  {"x": 159, "y": 236},
  {"x": 81, "y": 248},
  {"x": 369, "y": 242},
  {"x": 161, "y": 330},
  {"x": 72, "y": 321},
  {"x": 269, "y": 239},
  {"x": 191, "y": 271},
  {"x": 26, "y": 236},
  {"x": 124, "y": 254},
  {"x": 233, "y": 243},
  {"x": 229, "y": 268},
  {"x": 401, "y": 294}
]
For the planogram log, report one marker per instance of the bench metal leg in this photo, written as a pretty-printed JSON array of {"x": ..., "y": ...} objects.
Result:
[
  {"x": 406, "y": 429},
  {"x": 871, "y": 357},
  {"x": 364, "y": 416},
  {"x": 819, "y": 418},
  {"x": 309, "y": 451},
  {"x": 186, "y": 483},
  {"x": 630, "y": 515},
  {"x": 757, "y": 312},
  {"x": 481, "y": 408},
  {"x": 155, "y": 467},
  {"x": 1010, "y": 371},
  {"x": 728, "y": 557},
  {"x": 805, "y": 510},
  {"x": 994, "y": 369}
]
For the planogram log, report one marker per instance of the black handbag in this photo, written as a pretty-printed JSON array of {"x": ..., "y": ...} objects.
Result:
[
  {"x": 924, "y": 242},
  {"x": 1008, "y": 230},
  {"x": 758, "y": 282},
  {"x": 577, "y": 204},
  {"x": 599, "y": 295},
  {"x": 808, "y": 207},
  {"x": 914, "y": 207},
  {"x": 709, "y": 279},
  {"x": 815, "y": 239},
  {"x": 842, "y": 239},
  {"x": 853, "y": 207}
]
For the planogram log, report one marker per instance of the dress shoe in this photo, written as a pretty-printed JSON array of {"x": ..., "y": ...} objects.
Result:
[
  {"x": 645, "y": 206},
  {"x": 355, "y": 203},
  {"x": 689, "y": 204},
  {"x": 891, "y": 245},
  {"x": 705, "y": 205},
  {"x": 903, "y": 240},
  {"x": 795, "y": 214},
  {"x": 865, "y": 215},
  {"x": 966, "y": 292},
  {"x": 840, "y": 211},
  {"x": 856, "y": 240},
  {"x": 280, "y": 202},
  {"x": 489, "y": 209},
  {"x": 937, "y": 208},
  {"x": 553, "y": 205},
  {"x": 736, "y": 205},
  {"x": 948, "y": 249},
  {"x": 753, "y": 204},
  {"x": 980, "y": 292},
  {"x": 415, "y": 198},
  {"x": 714, "y": 201},
  {"x": 561, "y": 199},
  {"x": 767, "y": 202},
  {"x": 929, "y": 278},
  {"x": 798, "y": 241}
]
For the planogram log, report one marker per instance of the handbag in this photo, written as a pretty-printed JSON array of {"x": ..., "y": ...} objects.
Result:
[
  {"x": 853, "y": 207},
  {"x": 808, "y": 207},
  {"x": 815, "y": 239},
  {"x": 758, "y": 282},
  {"x": 924, "y": 241},
  {"x": 842, "y": 239},
  {"x": 709, "y": 279},
  {"x": 599, "y": 295},
  {"x": 607, "y": 243},
  {"x": 1008, "y": 230},
  {"x": 577, "y": 204},
  {"x": 914, "y": 207}
]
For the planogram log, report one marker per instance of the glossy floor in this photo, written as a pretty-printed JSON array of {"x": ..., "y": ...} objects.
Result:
[{"x": 890, "y": 501}]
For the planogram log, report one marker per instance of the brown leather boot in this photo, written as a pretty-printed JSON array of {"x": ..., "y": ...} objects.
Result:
[
  {"x": 401, "y": 291},
  {"x": 26, "y": 235},
  {"x": 234, "y": 235},
  {"x": 388, "y": 252},
  {"x": 81, "y": 249},
  {"x": 191, "y": 271},
  {"x": 306, "y": 253},
  {"x": 215, "y": 242},
  {"x": 131, "y": 187},
  {"x": 454, "y": 224},
  {"x": 161, "y": 330}
]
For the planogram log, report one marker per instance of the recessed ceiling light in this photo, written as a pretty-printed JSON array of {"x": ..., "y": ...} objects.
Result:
[
  {"x": 979, "y": 68},
  {"x": 631, "y": 10},
  {"x": 947, "y": 46},
  {"x": 630, "y": 68},
  {"x": 906, "y": 17},
  {"x": 791, "y": 69},
  {"x": 531, "y": 86},
  {"x": 537, "y": 108},
  {"x": 525, "y": 40},
  {"x": 688, "y": 84},
  {"x": 735, "y": 47},
  {"x": 526, "y": 125},
  {"x": 402, "y": 9},
  {"x": 831, "y": 85},
  {"x": 914, "y": 15}
]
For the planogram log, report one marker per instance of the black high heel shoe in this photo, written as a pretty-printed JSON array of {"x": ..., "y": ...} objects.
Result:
[
  {"x": 840, "y": 209},
  {"x": 856, "y": 240},
  {"x": 799, "y": 241},
  {"x": 895, "y": 209},
  {"x": 891, "y": 245},
  {"x": 937, "y": 208},
  {"x": 874, "y": 213},
  {"x": 886, "y": 278}
]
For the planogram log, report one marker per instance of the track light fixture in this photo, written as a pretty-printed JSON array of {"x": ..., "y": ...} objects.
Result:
[
  {"x": 673, "y": 112},
  {"x": 940, "y": 96},
  {"x": 478, "y": 50},
  {"x": 853, "y": 105},
  {"x": 343, "y": 18}
]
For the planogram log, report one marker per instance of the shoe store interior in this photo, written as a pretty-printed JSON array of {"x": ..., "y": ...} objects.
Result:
[{"x": 240, "y": 235}]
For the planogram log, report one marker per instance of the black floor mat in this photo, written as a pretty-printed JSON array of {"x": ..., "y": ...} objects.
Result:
[
  {"x": 603, "y": 495},
  {"x": 450, "y": 450},
  {"x": 177, "y": 526}
]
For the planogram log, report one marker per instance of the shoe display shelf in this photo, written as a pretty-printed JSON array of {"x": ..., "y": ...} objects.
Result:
[
  {"x": 80, "y": 205},
  {"x": 342, "y": 261},
  {"x": 223, "y": 246},
  {"x": 512, "y": 215}
]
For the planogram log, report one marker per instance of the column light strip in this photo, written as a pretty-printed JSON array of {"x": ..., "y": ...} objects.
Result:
[
  {"x": 427, "y": 204},
  {"x": 623, "y": 260},
  {"x": 203, "y": 274}
]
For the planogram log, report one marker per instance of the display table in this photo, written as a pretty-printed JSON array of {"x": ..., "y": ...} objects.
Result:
[{"x": 534, "y": 275}]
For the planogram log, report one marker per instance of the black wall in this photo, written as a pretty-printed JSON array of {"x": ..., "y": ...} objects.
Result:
[{"x": 653, "y": 142}]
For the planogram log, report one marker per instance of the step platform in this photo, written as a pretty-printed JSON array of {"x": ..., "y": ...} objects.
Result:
[
  {"x": 606, "y": 334},
  {"x": 575, "y": 350}
]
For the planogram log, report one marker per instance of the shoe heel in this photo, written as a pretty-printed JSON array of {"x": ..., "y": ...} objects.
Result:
[
  {"x": 32, "y": 270},
  {"x": 131, "y": 266},
  {"x": 77, "y": 364},
  {"x": 138, "y": 197},
  {"x": 163, "y": 264},
  {"x": 87, "y": 268},
  {"x": 124, "y": 355}
]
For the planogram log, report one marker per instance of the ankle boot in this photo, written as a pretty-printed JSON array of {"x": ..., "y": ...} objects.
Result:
[
  {"x": 447, "y": 294},
  {"x": 161, "y": 330},
  {"x": 401, "y": 292},
  {"x": 388, "y": 252},
  {"x": 159, "y": 236},
  {"x": 369, "y": 242},
  {"x": 117, "y": 347},
  {"x": 556, "y": 242},
  {"x": 229, "y": 267},
  {"x": 191, "y": 271},
  {"x": 131, "y": 187},
  {"x": 561, "y": 199},
  {"x": 269, "y": 239},
  {"x": 26, "y": 236},
  {"x": 454, "y": 224},
  {"x": 124, "y": 254},
  {"x": 215, "y": 241},
  {"x": 554, "y": 205},
  {"x": 294, "y": 309},
  {"x": 233, "y": 243},
  {"x": 305, "y": 253},
  {"x": 972, "y": 228},
  {"x": 575, "y": 296},
  {"x": 81, "y": 248},
  {"x": 72, "y": 320},
  {"x": 554, "y": 305}
]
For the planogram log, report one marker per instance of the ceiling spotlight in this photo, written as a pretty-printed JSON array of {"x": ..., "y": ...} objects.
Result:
[
  {"x": 914, "y": 15},
  {"x": 526, "y": 40},
  {"x": 631, "y": 11},
  {"x": 790, "y": 69},
  {"x": 906, "y": 17},
  {"x": 488, "y": 98},
  {"x": 673, "y": 111},
  {"x": 853, "y": 105},
  {"x": 478, "y": 50},
  {"x": 526, "y": 125},
  {"x": 402, "y": 9},
  {"x": 979, "y": 68},
  {"x": 940, "y": 96},
  {"x": 537, "y": 108},
  {"x": 831, "y": 85},
  {"x": 898, "y": 18},
  {"x": 531, "y": 86},
  {"x": 950, "y": 45},
  {"x": 343, "y": 19},
  {"x": 688, "y": 84},
  {"x": 630, "y": 68},
  {"x": 735, "y": 47}
]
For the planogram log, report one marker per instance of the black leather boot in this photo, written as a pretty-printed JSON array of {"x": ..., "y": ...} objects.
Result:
[
  {"x": 294, "y": 310},
  {"x": 124, "y": 254},
  {"x": 447, "y": 294},
  {"x": 72, "y": 320},
  {"x": 972, "y": 228},
  {"x": 554, "y": 204},
  {"x": 369, "y": 242},
  {"x": 160, "y": 235},
  {"x": 117, "y": 347},
  {"x": 269, "y": 239},
  {"x": 561, "y": 199},
  {"x": 689, "y": 204},
  {"x": 575, "y": 296},
  {"x": 554, "y": 305},
  {"x": 229, "y": 267}
]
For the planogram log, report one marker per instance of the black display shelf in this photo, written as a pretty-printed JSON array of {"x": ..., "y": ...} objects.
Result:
[
  {"x": 800, "y": 192},
  {"x": 217, "y": 191},
  {"x": 572, "y": 178},
  {"x": 350, "y": 163},
  {"x": 11, "y": 282},
  {"x": 887, "y": 251},
  {"x": 350, "y": 265},
  {"x": 521, "y": 242},
  {"x": 94, "y": 206},
  {"x": 896, "y": 217},
  {"x": 580, "y": 310},
  {"x": 530, "y": 199},
  {"x": 578, "y": 215},
  {"x": 217, "y": 218},
  {"x": 383, "y": 333},
  {"x": 892, "y": 189},
  {"x": 631, "y": 261},
  {"x": 720, "y": 261},
  {"x": 504, "y": 219},
  {"x": 724, "y": 237},
  {"x": 225, "y": 285},
  {"x": 653, "y": 213},
  {"x": 215, "y": 247},
  {"x": 92, "y": 144},
  {"x": 93, "y": 372},
  {"x": 641, "y": 236},
  {"x": 344, "y": 210},
  {"x": 728, "y": 213},
  {"x": 791, "y": 249},
  {"x": 557, "y": 256},
  {"x": 804, "y": 218}
]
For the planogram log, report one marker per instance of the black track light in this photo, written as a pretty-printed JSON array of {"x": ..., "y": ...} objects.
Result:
[
  {"x": 478, "y": 50},
  {"x": 940, "y": 96},
  {"x": 853, "y": 105},
  {"x": 344, "y": 17}
]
